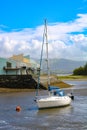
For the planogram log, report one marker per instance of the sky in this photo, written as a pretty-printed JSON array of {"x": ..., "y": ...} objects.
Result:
[{"x": 22, "y": 27}]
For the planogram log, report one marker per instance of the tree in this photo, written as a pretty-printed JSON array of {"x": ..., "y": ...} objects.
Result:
[
  {"x": 78, "y": 71},
  {"x": 81, "y": 70},
  {"x": 85, "y": 69}
]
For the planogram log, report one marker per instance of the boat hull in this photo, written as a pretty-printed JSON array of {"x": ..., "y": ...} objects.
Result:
[{"x": 53, "y": 101}]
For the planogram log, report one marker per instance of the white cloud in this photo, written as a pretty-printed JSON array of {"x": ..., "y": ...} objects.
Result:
[{"x": 66, "y": 40}]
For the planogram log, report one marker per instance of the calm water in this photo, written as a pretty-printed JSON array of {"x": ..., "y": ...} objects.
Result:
[{"x": 73, "y": 117}]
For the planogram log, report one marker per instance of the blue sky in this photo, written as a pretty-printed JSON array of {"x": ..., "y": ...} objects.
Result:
[{"x": 21, "y": 28}]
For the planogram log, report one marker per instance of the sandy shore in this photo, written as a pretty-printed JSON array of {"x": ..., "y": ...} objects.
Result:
[
  {"x": 54, "y": 81},
  {"x": 2, "y": 90}
]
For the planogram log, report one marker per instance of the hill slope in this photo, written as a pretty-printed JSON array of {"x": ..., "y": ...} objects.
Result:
[{"x": 62, "y": 66}]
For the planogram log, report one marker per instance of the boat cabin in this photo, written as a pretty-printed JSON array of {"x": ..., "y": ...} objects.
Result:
[{"x": 53, "y": 90}]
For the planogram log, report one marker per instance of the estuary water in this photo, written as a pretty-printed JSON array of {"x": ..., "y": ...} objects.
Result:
[{"x": 73, "y": 117}]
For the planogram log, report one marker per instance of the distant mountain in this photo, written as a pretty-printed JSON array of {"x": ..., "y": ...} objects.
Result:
[{"x": 61, "y": 66}]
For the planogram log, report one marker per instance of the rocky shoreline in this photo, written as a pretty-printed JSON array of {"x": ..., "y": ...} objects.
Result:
[{"x": 27, "y": 83}]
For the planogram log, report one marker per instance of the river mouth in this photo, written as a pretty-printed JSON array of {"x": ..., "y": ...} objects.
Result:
[{"x": 73, "y": 117}]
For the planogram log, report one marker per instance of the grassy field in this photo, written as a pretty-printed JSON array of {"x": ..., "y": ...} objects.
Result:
[{"x": 72, "y": 77}]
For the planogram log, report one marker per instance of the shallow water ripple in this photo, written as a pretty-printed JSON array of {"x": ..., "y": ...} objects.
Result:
[{"x": 73, "y": 117}]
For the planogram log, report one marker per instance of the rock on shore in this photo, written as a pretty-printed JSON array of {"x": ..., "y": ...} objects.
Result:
[{"x": 54, "y": 81}]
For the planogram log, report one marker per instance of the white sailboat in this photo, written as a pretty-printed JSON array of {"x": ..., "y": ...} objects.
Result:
[{"x": 56, "y": 97}]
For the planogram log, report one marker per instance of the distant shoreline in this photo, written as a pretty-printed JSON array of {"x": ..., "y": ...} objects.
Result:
[{"x": 72, "y": 77}]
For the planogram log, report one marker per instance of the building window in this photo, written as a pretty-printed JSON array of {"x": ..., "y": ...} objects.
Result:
[{"x": 9, "y": 65}]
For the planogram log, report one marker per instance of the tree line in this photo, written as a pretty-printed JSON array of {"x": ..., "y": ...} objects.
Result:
[{"x": 81, "y": 70}]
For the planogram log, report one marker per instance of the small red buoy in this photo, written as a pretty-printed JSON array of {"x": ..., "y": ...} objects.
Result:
[{"x": 18, "y": 108}]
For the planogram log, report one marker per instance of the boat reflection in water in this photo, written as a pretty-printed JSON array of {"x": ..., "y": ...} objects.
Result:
[{"x": 56, "y": 111}]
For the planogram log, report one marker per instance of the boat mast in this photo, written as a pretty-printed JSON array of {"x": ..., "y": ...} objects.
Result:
[
  {"x": 46, "y": 38},
  {"x": 38, "y": 85},
  {"x": 45, "y": 41}
]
